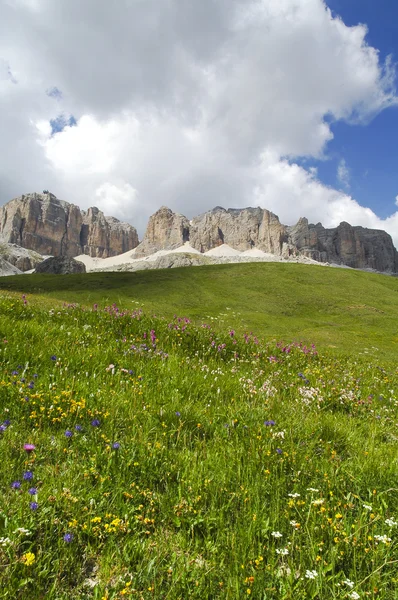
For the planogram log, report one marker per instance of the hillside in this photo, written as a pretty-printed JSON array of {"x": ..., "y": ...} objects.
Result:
[
  {"x": 335, "y": 308},
  {"x": 149, "y": 458}
]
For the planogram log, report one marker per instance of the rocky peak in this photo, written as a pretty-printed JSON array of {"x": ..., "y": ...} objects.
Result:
[
  {"x": 50, "y": 226},
  {"x": 166, "y": 230}
]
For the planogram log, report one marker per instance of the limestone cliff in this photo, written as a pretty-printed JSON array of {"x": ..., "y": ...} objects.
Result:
[
  {"x": 166, "y": 230},
  {"x": 248, "y": 228},
  {"x": 50, "y": 226}
]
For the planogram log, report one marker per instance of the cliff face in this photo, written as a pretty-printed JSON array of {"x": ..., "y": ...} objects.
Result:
[
  {"x": 166, "y": 230},
  {"x": 356, "y": 247},
  {"x": 248, "y": 228},
  {"x": 47, "y": 225}
]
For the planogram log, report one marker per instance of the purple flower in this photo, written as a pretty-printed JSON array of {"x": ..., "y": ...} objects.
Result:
[
  {"x": 269, "y": 423},
  {"x": 16, "y": 485},
  {"x": 279, "y": 451},
  {"x": 32, "y": 491},
  {"x": 68, "y": 433},
  {"x": 31, "y": 385},
  {"x": 14, "y": 373},
  {"x": 27, "y": 398},
  {"x": 29, "y": 447},
  {"x": 68, "y": 537},
  {"x": 95, "y": 422},
  {"x": 53, "y": 357},
  {"x": 78, "y": 427},
  {"x": 6, "y": 422},
  {"x": 116, "y": 445},
  {"x": 3, "y": 428},
  {"x": 35, "y": 375},
  {"x": 28, "y": 475},
  {"x": 33, "y": 505},
  {"x": 178, "y": 413}
]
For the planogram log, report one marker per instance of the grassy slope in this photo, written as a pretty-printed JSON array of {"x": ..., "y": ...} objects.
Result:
[{"x": 336, "y": 308}]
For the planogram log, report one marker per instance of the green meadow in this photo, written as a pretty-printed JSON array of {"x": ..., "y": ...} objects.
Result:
[{"x": 220, "y": 432}]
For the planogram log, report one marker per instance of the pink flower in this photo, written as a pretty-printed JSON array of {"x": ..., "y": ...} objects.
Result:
[{"x": 29, "y": 447}]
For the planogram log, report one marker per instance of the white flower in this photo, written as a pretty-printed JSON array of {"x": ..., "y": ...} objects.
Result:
[
  {"x": 23, "y": 531},
  {"x": 354, "y": 596},
  {"x": 317, "y": 502},
  {"x": 312, "y": 490},
  {"x": 276, "y": 534},
  {"x": 367, "y": 506},
  {"x": 311, "y": 574},
  {"x": 349, "y": 583},
  {"x": 4, "y": 541},
  {"x": 293, "y": 523},
  {"x": 282, "y": 551},
  {"x": 382, "y": 538},
  {"x": 295, "y": 495},
  {"x": 390, "y": 522}
]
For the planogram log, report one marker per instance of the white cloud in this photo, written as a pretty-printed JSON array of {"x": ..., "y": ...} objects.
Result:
[
  {"x": 343, "y": 174},
  {"x": 191, "y": 104}
]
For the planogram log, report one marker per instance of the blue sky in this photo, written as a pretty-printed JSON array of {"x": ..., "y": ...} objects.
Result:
[{"x": 370, "y": 151}]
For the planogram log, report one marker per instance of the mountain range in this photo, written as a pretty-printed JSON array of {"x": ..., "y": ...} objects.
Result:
[{"x": 44, "y": 225}]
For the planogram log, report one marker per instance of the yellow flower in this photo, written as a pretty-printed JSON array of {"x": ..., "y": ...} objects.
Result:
[{"x": 29, "y": 558}]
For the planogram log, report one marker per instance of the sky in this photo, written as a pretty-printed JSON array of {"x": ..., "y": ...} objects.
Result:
[{"x": 130, "y": 105}]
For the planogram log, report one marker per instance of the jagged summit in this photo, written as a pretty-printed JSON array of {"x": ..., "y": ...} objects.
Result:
[
  {"x": 51, "y": 226},
  {"x": 257, "y": 228}
]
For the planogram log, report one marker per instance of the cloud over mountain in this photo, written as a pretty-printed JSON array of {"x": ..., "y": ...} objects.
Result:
[{"x": 140, "y": 103}]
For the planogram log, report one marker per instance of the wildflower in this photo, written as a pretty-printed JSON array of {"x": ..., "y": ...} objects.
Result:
[
  {"x": 68, "y": 433},
  {"x": 4, "y": 541},
  {"x": 279, "y": 451},
  {"x": 269, "y": 423},
  {"x": 78, "y": 427},
  {"x": 349, "y": 583},
  {"x": 178, "y": 413},
  {"x": 311, "y": 574},
  {"x": 95, "y": 423},
  {"x": 28, "y": 475},
  {"x": 295, "y": 495},
  {"x": 116, "y": 445},
  {"x": 354, "y": 596},
  {"x": 28, "y": 558},
  {"x": 16, "y": 485},
  {"x": 29, "y": 447},
  {"x": 53, "y": 357},
  {"x": 31, "y": 385},
  {"x": 68, "y": 537},
  {"x": 32, "y": 491},
  {"x": 382, "y": 538},
  {"x": 34, "y": 505},
  {"x": 390, "y": 522},
  {"x": 3, "y": 428},
  {"x": 282, "y": 551},
  {"x": 276, "y": 534},
  {"x": 23, "y": 531},
  {"x": 318, "y": 502},
  {"x": 312, "y": 490},
  {"x": 367, "y": 506}
]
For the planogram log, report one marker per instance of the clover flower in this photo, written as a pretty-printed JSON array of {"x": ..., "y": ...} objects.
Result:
[
  {"x": 28, "y": 475},
  {"x": 116, "y": 445},
  {"x": 68, "y": 433},
  {"x": 16, "y": 485},
  {"x": 34, "y": 505},
  {"x": 32, "y": 491},
  {"x": 68, "y": 537},
  {"x": 95, "y": 422}
]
